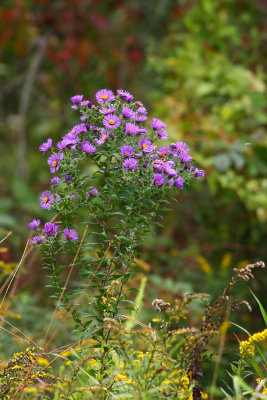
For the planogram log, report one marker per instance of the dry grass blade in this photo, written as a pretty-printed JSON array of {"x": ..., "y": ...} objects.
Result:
[
  {"x": 24, "y": 255},
  {"x": 4, "y": 238}
]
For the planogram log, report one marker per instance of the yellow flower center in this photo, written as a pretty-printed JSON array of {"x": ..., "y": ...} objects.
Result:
[
  {"x": 126, "y": 153},
  {"x": 46, "y": 199},
  {"x": 105, "y": 96},
  {"x": 104, "y": 137},
  {"x": 144, "y": 146},
  {"x": 54, "y": 163},
  {"x": 111, "y": 122},
  {"x": 164, "y": 152},
  {"x": 69, "y": 236},
  {"x": 181, "y": 149}
]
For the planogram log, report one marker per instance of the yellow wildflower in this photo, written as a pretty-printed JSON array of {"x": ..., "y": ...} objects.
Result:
[
  {"x": 119, "y": 377},
  {"x": 92, "y": 362},
  {"x": 185, "y": 380},
  {"x": 166, "y": 382},
  {"x": 42, "y": 361},
  {"x": 66, "y": 353},
  {"x": 260, "y": 336},
  {"x": 246, "y": 348},
  {"x": 30, "y": 390}
]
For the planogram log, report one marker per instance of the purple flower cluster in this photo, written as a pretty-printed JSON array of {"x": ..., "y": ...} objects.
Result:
[
  {"x": 115, "y": 123},
  {"x": 130, "y": 164},
  {"x": 50, "y": 230},
  {"x": 87, "y": 147}
]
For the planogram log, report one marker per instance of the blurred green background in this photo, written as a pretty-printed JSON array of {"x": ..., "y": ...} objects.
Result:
[{"x": 199, "y": 65}]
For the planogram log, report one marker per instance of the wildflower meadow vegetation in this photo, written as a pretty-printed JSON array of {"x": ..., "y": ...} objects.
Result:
[{"x": 134, "y": 206}]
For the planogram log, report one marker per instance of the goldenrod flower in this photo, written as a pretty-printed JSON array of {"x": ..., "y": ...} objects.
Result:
[{"x": 246, "y": 348}]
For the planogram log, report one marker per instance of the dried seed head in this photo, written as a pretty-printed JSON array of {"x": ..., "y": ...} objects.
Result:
[{"x": 160, "y": 305}]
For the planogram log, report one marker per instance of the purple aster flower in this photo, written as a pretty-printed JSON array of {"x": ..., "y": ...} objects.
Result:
[
  {"x": 103, "y": 137},
  {"x": 170, "y": 172},
  {"x": 107, "y": 110},
  {"x": 127, "y": 151},
  {"x": 163, "y": 135},
  {"x": 157, "y": 124},
  {"x": 51, "y": 229},
  {"x": 131, "y": 129},
  {"x": 111, "y": 121},
  {"x": 54, "y": 161},
  {"x": 83, "y": 118},
  {"x": 87, "y": 147},
  {"x": 158, "y": 165},
  {"x": 199, "y": 173},
  {"x": 70, "y": 234},
  {"x": 181, "y": 147},
  {"x": 54, "y": 180},
  {"x": 170, "y": 182},
  {"x": 130, "y": 164},
  {"x": 68, "y": 177},
  {"x": 46, "y": 199},
  {"x": 146, "y": 145},
  {"x": 37, "y": 239},
  {"x": 184, "y": 157},
  {"x": 87, "y": 103},
  {"x": 163, "y": 151},
  {"x": 142, "y": 131},
  {"x": 79, "y": 128},
  {"x": 168, "y": 164},
  {"x": 74, "y": 107},
  {"x": 77, "y": 98},
  {"x": 142, "y": 111},
  {"x": 104, "y": 95},
  {"x": 92, "y": 192},
  {"x": 139, "y": 118},
  {"x": 158, "y": 179},
  {"x": 34, "y": 224},
  {"x": 68, "y": 142},
  {"x": 179, "y": 182},
  {"x": 189, "y": 166},
  {"x": 125, "y": 95},
  {"x": 46, "y": 146},
  {"x": 127, "y": 112}
]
